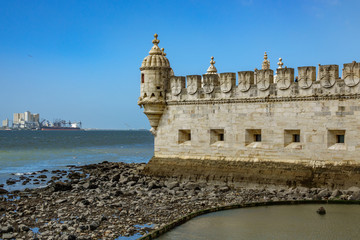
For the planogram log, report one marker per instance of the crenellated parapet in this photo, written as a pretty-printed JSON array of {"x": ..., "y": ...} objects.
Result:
[{"x": 264, "y": 85}]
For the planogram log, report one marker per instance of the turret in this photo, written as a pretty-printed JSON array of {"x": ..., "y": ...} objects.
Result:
[{"x": 154, "y": 79}]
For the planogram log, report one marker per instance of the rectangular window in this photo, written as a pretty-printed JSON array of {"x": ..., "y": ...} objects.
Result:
[
  {"x": 221, "y": 137},
  {"x": 142, "y": 78},
  {"x": 336, "y": 139},
  {"x": 340, "y": 138},
  {"x": 217, "y": 135},
  {"x": 253, "y": 136},
  {"x": 292, "y": 139},
  {"x": 257, "y": 137},
  {"x": 296, "y": 137},
  {"x": 184, "y": 136}
]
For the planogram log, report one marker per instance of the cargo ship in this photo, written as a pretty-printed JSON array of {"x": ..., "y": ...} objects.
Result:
[{"x": 61, "y": 125}]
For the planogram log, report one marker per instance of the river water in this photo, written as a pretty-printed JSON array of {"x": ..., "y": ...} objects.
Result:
[
  {"x": 273, "y": 222},
  {"x": 26, "y": 152}
]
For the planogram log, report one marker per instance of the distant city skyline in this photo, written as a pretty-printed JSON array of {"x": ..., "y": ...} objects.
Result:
[{"x": 79, "y": 60}]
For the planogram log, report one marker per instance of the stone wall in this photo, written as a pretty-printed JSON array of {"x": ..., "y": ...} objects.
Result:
[{"x": 317, "y": 121}]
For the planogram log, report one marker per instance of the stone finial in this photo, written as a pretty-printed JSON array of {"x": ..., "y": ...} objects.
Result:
[
  {"x": 164, "y": 54},
  {"x": 155, "y": 50},
  {"x": 212, "y": 69},
  {"x": 266, "y": 62},
  {"x": 156, "y": 41},
  {"x": 280, "y": 63}
]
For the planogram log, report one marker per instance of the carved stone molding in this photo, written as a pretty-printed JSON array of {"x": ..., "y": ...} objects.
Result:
[
  {"x": 177, "y": 83},
  {"x": 351, "y": 73},
  {"x": 264, "y": 78},
  {"x": 328, "y": 74},
  {"x": 307, "y": 75},
  {"x": 210, "y": 81},
  {"x": 268, "y": 99},
  {"x": 246, "y": 78},
  {"x": 227, "y": 81},
  {"x": 285, "y": 77},
  {"x": 193, "y": 83}
]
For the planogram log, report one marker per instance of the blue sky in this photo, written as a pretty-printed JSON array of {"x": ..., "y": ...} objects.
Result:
[{"x": 79, "y": 60}]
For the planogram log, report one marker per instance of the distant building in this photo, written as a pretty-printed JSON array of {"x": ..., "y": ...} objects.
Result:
[
  {"x": 26, "y": 120},
  {"x": 5, "y": 123}
]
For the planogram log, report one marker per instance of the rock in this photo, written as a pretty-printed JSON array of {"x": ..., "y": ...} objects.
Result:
[
  {"x": 115, "y": 178},
  {"x": 3, "y": 191},
  {"x": 94, "y": 225},
  {"x": 324, "y": 193},
  {"x": 192, "y": 186},
  {"x": 104, "y": 178},
  {"x": 85, "y": 202},
  {"x": 42, "y": 176},
  {"x": 131, "y": 183},
  {"x": 123, "y": 180},
  {"x": 55, "y": 178},
  {"x": 224, "y": 189},
  {"x": 8, "y": 236},
  {"x": 24, "y": 228},
  {"x": 71, "y": 237},
  {"x": 64, "y": 227},
  {"x": 83, "y": 227},
  {"x": 118, "y": 193},
  {"x": 25, "y": 182},
  {"x": 321, "y": 211},
  {"x": 6, "y": 229},
  {"x": 171, "y": 185},
  {"x": 353, "y": 189},
  {"x": 60, "y": 201},
  {"x": 61, "y": 186},
  {"x": 152, "y": 185},
  {"x": 1, "y": 185},
  {"x": 336, "y": 193},
  {"x": 355, "y": 196},
  {"x": 10, "y": 182},
  {"x": 89, "y": 185},
  {"x": 74, "y": 175}
]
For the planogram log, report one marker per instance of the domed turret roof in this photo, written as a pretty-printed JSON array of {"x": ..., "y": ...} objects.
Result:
[{"x": 157, "y": 57}]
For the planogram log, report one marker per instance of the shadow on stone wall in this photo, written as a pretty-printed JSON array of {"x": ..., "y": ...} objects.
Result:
[{"x": 247, "y": 173}]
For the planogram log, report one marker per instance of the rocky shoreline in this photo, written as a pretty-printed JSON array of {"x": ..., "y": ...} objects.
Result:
[{"x": 108, "y": 200}]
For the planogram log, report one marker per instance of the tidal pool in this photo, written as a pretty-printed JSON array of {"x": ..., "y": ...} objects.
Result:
[{"x": 273, "y": 222}]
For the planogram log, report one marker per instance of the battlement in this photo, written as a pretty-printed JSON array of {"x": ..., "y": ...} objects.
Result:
[{"x": 263, "y": 85}]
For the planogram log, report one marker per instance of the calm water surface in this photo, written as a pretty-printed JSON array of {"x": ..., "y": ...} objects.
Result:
[
  {"x": 24, "y": 152},
  {"x": 273, "y": 222}
]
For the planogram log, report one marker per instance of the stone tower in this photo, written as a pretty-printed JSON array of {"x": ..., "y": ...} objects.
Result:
[{"x": 155, "y": 73}]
